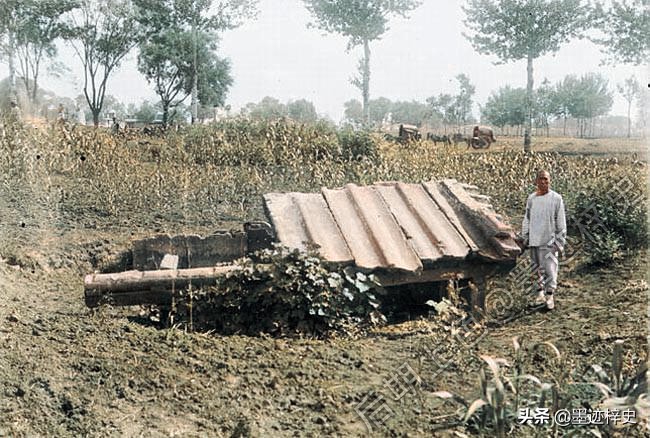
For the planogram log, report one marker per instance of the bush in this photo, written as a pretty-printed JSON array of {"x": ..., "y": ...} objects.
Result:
[
  {"x": 611, "y": 212},
  {"x": 357, "y": 144},
  {"x": 604, "y": 248},
  {"x": 284, "y": 292}
]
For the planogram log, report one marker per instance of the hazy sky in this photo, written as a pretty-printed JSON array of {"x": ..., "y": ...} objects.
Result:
[{"x": 277, "y": 55}]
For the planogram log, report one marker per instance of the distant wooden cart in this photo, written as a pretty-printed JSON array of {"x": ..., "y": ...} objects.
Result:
[{"x": 408, "y": 134}]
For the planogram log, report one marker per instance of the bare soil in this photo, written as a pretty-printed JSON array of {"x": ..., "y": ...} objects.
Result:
[{"x": 68, "y": 371}]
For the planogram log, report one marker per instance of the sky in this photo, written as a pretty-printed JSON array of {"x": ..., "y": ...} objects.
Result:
[{"x": 278, "y": 55}]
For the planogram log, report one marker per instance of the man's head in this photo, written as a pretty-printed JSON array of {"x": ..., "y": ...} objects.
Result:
[{"x": 543, "y": 182}]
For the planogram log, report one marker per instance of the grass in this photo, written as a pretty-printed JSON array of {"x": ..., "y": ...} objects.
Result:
[{"x": 73, "y": 200}]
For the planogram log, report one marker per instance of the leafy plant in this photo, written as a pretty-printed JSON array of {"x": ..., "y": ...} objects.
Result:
[
  {"x": 284, "y": 292},
  {"x": 623, "y": 391},
  {"x": 501, "y": 395},
  {"x": 357, "y": 144}
]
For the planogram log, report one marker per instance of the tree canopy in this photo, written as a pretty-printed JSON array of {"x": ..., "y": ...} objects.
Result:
[
  {"x": 360, "y": 21},
  {"x": 524, "y": 29},
  {"x": 626, "y": 31},
  {"x": 270, "y": 108},
  {"x": 40, "y": 25},
  {"x": 102, "y": 33},
  {"x": 178, "y": 49}
]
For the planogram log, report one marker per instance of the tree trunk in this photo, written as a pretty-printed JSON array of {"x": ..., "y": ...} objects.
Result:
[
  {"x": 195, "y": 79},
  {"x": 13, "y": 95},
  {"x": 529, "y": 102},
  {"x": 629, "y": 120},
  {"x": 365, "y": 82},
  {"x": 165, "y": 108},
  {"x": 95, "y": 112}
]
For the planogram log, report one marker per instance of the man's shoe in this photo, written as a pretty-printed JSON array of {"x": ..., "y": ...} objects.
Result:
[
  {"x": 540, "y": 298},
  {"x": 550, "y": 302}
]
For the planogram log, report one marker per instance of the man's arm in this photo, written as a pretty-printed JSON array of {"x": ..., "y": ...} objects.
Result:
[
  {"x": 525, "y": 226},
  {"x": 560, "y": 225}
]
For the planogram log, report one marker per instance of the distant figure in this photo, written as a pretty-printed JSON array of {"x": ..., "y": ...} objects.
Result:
[
  {"x": 81, "y": 115},
  {"x": 115, "y": 128},
  {"x": 60, "y": 114}
]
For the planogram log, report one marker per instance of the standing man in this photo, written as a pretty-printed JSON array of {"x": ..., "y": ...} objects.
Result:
[{"x": 544, "y": 232}]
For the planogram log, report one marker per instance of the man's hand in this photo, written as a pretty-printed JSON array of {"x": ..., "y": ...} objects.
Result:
[{"x": 521, "y": 243}]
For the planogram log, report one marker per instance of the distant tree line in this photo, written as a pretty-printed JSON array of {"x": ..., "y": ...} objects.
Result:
[
  {"x": 176, "y": 40},
  {"x": 442, "y": 111},
  {"x": 300, "y": 110},
  {"x": 177, "y": 45},
  {"x": 582, "y": 99}
]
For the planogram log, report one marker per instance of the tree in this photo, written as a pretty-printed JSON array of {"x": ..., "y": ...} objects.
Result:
[
  {"x": 269, "y": 108},
  {"x": 40, "y": 25},
  {"x": 463, "y": 100},
  {"x": 145, "y": 112},
  {"x": 166, "y": 60},
  {"x": 454, "y": 110},
  {"x": 302, "y": 110},
  {"x": 629, "y": 90},
  {"x": 178, "y": 49},
  {"x": 102, "y": 33},
  {"x": 589, "y": 98},
  {"x": 643, "y": 105},
  {"x": 9, "y": 25},
  {"x": 353, "y": 112},
  {"x": 442, "y": 108},
  {"x": 361, "y": 21},
  {"x": 506, "y": 106},
  {"x": 545, "y": 105},
  {"x": 413, "y": 112},
  {"x": 524, "y": 29},
  {"x": 626, "y": 29},
  {"x": 563, "y": 95},
  {"x": 378, "y": 110}
]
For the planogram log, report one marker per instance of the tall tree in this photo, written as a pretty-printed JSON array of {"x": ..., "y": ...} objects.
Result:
[
  {"x": 563, "y": 96},
  {"x": 443, "y": 107},
  {"x": 413, "y": 112},
  {"x": 9, "y": 27},
  {"x": 40, "y": 25},
  {"x": 626, "y": 31},
  {"x": 463, "y": 100},
  {"x": 198, "y": 22},
  {"x": 102, "y": 34},
  {"x": 166, "y": 60},
  {"x": 629, "y": 89},
  {"x": 379, "y": 109},
  {"x": 361, "y": 21},
  {"x": 353, "y": 112},
  {"x": 545, "y": 105},
  {"x": 524, "y": 29}
]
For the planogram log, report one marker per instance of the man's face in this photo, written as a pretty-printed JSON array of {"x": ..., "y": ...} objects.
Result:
[{"x": 543, "y": 182}]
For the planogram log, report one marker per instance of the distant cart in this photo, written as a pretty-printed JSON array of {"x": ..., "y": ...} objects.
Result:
[{"x": 403, "y": 233}]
